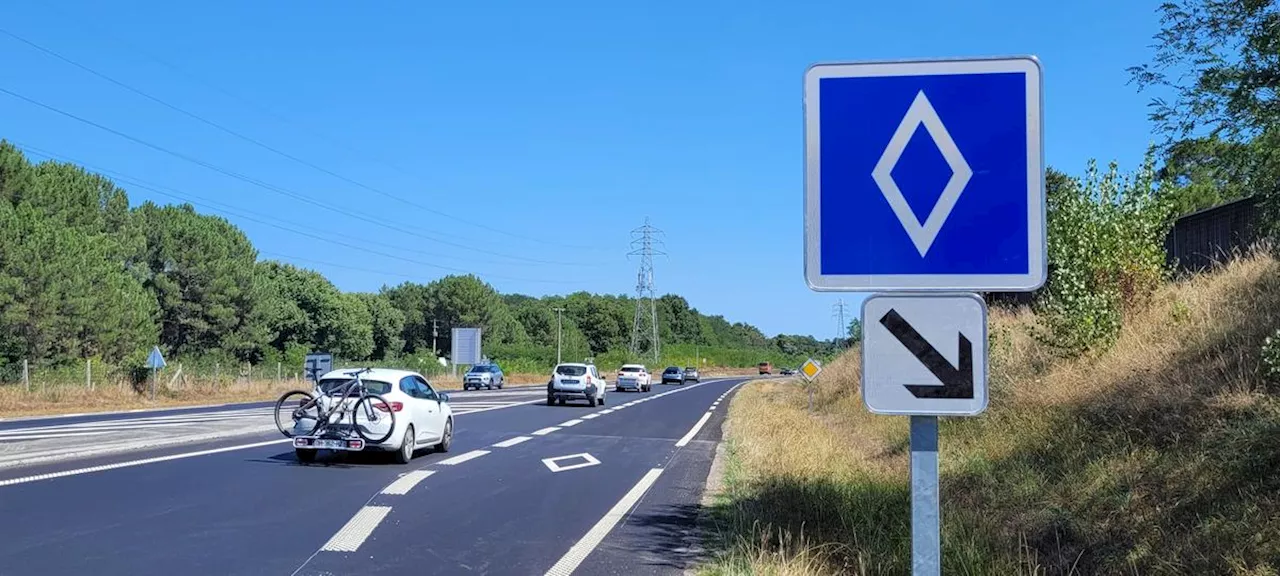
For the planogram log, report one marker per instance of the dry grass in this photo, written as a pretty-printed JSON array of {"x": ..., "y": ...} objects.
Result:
[
  {"x": 16, "y": 401},
  {"x": 1161, "y": 456}
]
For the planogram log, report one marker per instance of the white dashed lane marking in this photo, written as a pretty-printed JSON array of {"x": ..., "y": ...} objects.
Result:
[
  {"x": 407, "y": 482},
  {"x": 465, "y": 456},
  {"x": 513, "y": 441}
]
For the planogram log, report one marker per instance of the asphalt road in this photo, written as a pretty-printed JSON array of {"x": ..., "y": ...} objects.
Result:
[{"x": 526, "y": 489}]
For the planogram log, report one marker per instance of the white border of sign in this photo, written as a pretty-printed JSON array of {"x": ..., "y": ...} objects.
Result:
[{"x": 1036, "y": 211}]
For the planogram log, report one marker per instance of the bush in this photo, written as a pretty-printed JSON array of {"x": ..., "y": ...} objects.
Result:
[{"x": 1106, "y": 254}]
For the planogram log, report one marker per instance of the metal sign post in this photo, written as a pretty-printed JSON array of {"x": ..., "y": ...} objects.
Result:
[
  {"x": 155, "y": 361},
  {"x": 877, "y": 218}
]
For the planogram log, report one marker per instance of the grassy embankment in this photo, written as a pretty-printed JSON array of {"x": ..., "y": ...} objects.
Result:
[{"x": 1160, "y": 456}]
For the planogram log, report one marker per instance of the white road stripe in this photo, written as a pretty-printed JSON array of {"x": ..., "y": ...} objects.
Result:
[
  {"x": 106, "y": 467},
  {"x": 513, "y": 441},
  {"x": 609, "y": 411},
  {"x": 41, "y": 436},
  {"x": 573, "y": 422},
  {"x": 694, "y": 431},
  {"x": 579, "y": 552},
  {"x": 545, "y": 431},
  {"x": 406, "y": 483},
  {"x": 590, "y": 416},
  {"x": 351, "y": 536},
  {"x": 463, "y": 457}
]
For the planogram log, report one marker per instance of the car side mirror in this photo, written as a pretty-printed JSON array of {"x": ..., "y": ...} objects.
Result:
[{"x": 442, "y": 397}]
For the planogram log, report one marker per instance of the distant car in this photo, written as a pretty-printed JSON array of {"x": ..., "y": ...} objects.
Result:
[
  {"x": 423, "y": 415},
  {"x": 764, "y": 367},
  {"x": 788, "y": 372},
  {"x": 576, "y": 381},
  {"x": 673, "y": 374},
  {"x": 487, "y": 376},
  {"x": 633, "y": 377},
  {"x": 690, "y": 374}
]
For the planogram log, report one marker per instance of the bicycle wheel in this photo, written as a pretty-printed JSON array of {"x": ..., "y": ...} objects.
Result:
[
  {"x": 374, "y": 419},
  {"x": 294, "y": 407}
]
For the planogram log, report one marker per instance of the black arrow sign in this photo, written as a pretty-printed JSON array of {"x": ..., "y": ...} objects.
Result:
[{"x": 957, "y": 382}]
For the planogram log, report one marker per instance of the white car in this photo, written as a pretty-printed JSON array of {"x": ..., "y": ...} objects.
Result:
[
  {"x": 633, "y": 377},
  {"x": 576, "y": 381},
  {"x": 423, "y": 417}
]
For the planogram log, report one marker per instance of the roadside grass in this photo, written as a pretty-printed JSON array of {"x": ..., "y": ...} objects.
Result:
[
  {"x": 62, "y": 398},
  {"x": 1161, "y": 456}
]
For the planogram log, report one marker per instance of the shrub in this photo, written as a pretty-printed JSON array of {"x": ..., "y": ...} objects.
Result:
[{"x": 1106, "y": 254}]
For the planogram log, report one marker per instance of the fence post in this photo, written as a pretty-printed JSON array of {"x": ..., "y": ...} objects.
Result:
[
  {"x": 26, "y": 375},
  {"x": 88, "y": 373},
  {"x": 277, "y": 373}
]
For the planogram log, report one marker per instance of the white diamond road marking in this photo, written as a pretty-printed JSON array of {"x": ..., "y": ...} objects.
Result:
[
  {"x": 554, "y": 466},
  {"x": 920, "y": 113}
]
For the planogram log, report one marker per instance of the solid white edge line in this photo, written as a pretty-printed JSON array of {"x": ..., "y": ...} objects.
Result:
[
  {"x": 357, "y": 529},
  {"x": 580, "y": 550},
  {"x": 131, "y": 463},
  {"x": 512, "y": 441},
  {"x": 694, "y": 431},
  {"x": 406, "y": 483},
  {"x": 545, "y": 431},
  {"x": 463, "y": 457}
]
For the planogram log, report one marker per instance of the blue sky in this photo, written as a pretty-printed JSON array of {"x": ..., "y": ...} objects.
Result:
[{"x": 544, "y": 132}]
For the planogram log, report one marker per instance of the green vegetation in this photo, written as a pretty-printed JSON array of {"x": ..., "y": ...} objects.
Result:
[{"x": 83, "y": 276}]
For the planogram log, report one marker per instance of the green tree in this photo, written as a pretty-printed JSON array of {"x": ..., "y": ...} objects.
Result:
[
  {"x": 202, "y": 272},
  {"x": 387, "y": 323}
]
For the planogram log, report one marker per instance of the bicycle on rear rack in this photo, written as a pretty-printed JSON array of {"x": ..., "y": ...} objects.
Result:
[{"x": 317, "y": 421}]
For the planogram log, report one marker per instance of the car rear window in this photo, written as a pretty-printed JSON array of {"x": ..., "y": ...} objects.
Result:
[
  {"x": 333, "y": 385},
  {"x": 631, "y": 369},
  {"x": 571, "y": 370},
  {"x": 672, "y": 370},
  {"x": 691, "y": 369}
]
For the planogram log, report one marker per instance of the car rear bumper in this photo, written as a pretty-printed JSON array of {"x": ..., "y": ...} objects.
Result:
[
  {"x": 569, "y": 394},
  {"x": 630, "y": 384}
]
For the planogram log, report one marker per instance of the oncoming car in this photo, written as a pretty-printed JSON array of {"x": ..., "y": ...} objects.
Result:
[
  {"x": 487, "y": 376},
  {"x": 422, "y": 416},
  {"x": 633, "y": 377}
]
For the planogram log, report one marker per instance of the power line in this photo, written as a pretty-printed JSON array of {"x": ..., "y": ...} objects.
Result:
[
  {"x": 646, "y": 243},
  {"x": 237, "y": 213},
  {"x": 269, "y": 187},
  {"x": 226, "y": 208},
  {"x": 261, "y": 144}
]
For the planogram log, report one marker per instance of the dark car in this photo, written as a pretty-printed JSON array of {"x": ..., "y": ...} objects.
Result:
[
  {"x": 487, "y": 376},
  {"x": 690, "y": 374},
  {"x": 788, "y": 372},
  {"x": 673, "y": 374}
]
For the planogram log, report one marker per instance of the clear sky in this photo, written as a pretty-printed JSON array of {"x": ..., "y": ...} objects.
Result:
[{"x": 530, "y": 137}]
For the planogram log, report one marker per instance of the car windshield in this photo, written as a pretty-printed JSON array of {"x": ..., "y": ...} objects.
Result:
[
  {"x": 632, "y": 369},
  {"x": 479, "y": 369},
  {"x": 571, "y": 370},
  {"x": 334, "y": 385}
]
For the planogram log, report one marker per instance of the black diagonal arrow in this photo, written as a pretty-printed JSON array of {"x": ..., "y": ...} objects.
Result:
[{"x": 957, "y": 382}]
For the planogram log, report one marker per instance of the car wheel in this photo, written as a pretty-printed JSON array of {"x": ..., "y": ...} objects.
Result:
[
  {"x": 560, "y": 401},
  {"x": 305, "y": 455},
  {"x": 591, "y": 401},
  {"x": 551, "y": 400},
  {"x": 447, "y": 440},
  {"x": 405, "y": 453},
  {"x": 602, "y": 397}
]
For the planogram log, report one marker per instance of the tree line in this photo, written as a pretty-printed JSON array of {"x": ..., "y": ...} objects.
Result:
[{"x": 85, "y": 275}]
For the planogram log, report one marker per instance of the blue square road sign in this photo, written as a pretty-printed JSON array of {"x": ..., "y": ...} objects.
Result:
[{"x": 924, "y": 175}]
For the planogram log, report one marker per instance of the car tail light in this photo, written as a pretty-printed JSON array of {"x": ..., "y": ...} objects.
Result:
[{"x": 395, "y": 406}]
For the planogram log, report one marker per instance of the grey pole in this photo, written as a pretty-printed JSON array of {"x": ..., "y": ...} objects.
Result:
[
  {"x": 926, "y": 517},
  {"x": 153, "y": 383},
  {"x": 559, "y": 333}
]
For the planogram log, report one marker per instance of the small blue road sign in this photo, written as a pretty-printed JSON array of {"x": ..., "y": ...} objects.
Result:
[
  {"x": 924, "y": 175},
  {"x": 155, "y": 360}
]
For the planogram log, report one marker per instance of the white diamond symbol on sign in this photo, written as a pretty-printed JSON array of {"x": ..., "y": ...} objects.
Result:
[{"x": 922, "y": 112}]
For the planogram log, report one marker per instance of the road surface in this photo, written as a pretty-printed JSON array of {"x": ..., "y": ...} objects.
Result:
[{"x": 526, "y": 489}]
